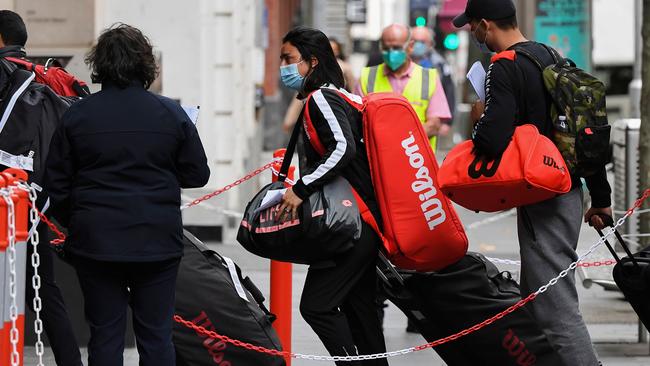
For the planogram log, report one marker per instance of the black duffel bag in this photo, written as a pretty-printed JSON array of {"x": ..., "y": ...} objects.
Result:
[
  {"x": 464, "y": 294},
  {"x": 632, "y": 275},
  {"x": 327, "y": 224},
  {"x": 211, "y": 292}
]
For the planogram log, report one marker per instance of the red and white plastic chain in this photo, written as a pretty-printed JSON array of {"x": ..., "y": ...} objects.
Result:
[
  {"x": 230, "y": 186},
  {"x": 60, "y": 236},
  {"x": 472, "y": 329}
]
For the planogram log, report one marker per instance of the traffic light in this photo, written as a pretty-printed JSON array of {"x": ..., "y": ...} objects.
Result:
[
  {"x": 419, "y": 17},
  {"x": 452, "y": 41}
]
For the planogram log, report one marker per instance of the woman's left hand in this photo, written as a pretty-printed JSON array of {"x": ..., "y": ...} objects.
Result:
[{"x": 289, "y": 206}]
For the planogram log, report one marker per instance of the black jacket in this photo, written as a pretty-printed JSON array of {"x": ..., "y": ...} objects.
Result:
[
  {"x": 115, "y": 170},
  {"x": 515, "y": 95},
  {"x": 339, "y": 127}
]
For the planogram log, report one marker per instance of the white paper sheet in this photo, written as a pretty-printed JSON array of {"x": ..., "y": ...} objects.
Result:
[
  {"x": 476, "y": 77},
  {"x": 272, "y": 198},
  {"x": 192, "y": 112}
]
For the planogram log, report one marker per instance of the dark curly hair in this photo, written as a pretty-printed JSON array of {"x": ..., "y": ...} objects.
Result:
[{"x": 122, "y": 55}]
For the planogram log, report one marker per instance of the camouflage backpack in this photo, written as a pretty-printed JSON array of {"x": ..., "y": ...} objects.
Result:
[{"x": 581, "y": 131}]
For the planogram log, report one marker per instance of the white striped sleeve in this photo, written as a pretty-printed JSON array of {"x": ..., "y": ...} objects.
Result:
[{"x": 341, "y": 142}]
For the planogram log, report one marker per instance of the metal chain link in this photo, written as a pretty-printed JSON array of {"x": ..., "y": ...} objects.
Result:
[
  {"x": 14, "y": 334},
  {"x": 474, "y": 328},
  {"x": 36, "y": 278},
  {"x": 599, "y": 263}
]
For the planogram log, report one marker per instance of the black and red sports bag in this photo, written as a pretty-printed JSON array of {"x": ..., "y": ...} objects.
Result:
[
  {"x": 327, "y": 224},
  {"x": 421, "y": 230},
  {"x": 56, "y": 77},
  {"x": 212, "y": 292}
]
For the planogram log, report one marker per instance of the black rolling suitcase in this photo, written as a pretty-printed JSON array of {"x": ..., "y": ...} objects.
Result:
[
  {"x": 211, "y": 292},
  {"x": 632, "y": 275},
  {"x": 460, "y": 296}
]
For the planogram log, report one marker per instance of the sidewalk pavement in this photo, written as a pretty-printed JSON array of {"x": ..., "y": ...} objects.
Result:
[{"x": 611, "y": 321}]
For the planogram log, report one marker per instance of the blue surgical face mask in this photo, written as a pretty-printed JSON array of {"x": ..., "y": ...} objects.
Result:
[
  {"x": 419, "y": 49},
  {"x": 482, "y": 45},
  {"x": 394, "y": 59},
  {"x": 290, "y": 76}
]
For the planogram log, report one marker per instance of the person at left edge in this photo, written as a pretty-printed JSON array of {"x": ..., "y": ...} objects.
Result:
[
  {"x": 338, "y": 299},
  {"x": 56, "y": 321},
  {"x": 399, "y": 74},
  {"x": 114, "y": 174}
]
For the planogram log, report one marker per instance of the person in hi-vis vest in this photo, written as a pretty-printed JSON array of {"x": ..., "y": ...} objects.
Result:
[{"x": 398, "y": 74}]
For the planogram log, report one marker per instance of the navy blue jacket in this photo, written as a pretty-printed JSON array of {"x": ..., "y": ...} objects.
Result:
[{"x": 114, "y": 173}]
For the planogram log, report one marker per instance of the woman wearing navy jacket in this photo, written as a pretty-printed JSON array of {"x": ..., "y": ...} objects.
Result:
[
  {"x": 114, "y": 173},
  {"x": 338, "y": 299}
]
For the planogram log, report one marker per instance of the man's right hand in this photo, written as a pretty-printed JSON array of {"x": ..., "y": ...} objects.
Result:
[
  {"x": 593, "y": 217},
  {"x": 477, "y": 111}
]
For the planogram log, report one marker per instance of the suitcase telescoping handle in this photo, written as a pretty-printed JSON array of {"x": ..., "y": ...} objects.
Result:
[
  {"x": 387, "y": 273},
  {"x": 609, "y": 221}
]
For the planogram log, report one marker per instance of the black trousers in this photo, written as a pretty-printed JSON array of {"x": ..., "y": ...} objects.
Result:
[
  {"x": 108, "y": 288},
  {"x": 54, "y": 315},
  {"x": 339, "y": 302}
]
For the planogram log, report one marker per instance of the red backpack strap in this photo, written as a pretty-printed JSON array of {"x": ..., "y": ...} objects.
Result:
[
  {"x": 352, "y": 99},
  {"x": 367, "y": 216},
  {"x": 312, "y": 135},
  {"x": 23, "y": 63},
  {"x": 314, "y": 140}
]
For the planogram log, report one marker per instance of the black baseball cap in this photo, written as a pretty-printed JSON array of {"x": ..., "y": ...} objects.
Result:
[{"x": 485, "y": 9}]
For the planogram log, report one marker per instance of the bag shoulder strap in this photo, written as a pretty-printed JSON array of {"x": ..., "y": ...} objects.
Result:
[
  {"x": 291, "y": 148},
  {"x": 534, "y": 59},
  {"x": 29, "y": 66}
]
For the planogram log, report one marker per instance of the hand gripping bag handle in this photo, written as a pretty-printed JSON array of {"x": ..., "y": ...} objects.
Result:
[
  {"x": 609, "y": 221},
  {"x": 291, "y": 148}
]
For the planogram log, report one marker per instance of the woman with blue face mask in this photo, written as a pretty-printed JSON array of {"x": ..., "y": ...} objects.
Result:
[{"x": 339, "y": 294}]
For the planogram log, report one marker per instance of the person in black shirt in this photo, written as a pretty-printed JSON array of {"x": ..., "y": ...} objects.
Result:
[
  {"x": 114, "y": 174},
  {"x": 338, "y": 299},
  {"x": 548, "y": 231}
]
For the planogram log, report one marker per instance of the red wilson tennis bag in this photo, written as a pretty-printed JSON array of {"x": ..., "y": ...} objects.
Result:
[
  {"x": 421, "y": 230},
  {"x": 530, "y": 170}
]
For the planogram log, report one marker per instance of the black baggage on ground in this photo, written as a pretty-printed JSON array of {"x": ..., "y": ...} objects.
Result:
[
  {"x": 463, "y": 294},
  {"x": 632, "y": 275},
  {"x": 211, "y": 292}
]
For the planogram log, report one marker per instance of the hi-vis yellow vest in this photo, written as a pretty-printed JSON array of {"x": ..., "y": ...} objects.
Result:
[{"x": 418, "y": 90}]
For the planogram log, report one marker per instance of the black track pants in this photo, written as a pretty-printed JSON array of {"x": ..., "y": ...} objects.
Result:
[{"x": 339, "y": 302}]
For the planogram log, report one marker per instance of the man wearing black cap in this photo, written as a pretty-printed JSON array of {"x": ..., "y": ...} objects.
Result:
[{"x": 548, "y": 231}]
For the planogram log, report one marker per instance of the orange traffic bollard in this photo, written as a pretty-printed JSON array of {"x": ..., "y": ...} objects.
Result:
[
  {"x": 10, "y": 179},
  {"x": 281, "y": 278}
]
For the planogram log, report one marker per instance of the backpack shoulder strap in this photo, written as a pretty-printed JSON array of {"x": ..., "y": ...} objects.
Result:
[
  {"x": 531, "y": 57},
  {"x": 353, "y": 100},
  {"x": 29, "y": 66},
  {"x": 291, "y": 148}
]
